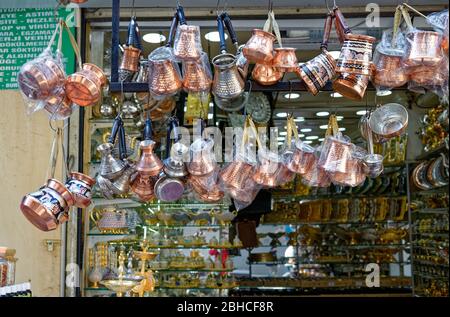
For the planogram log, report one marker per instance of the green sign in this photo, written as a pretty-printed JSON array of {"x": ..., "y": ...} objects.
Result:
[{"x": 24, "y": 34}]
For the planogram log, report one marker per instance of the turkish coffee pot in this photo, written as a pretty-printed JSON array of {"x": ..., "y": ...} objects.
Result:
[
  {"x": 187, "y": 44},
  {"x": 131, "y": 52}
]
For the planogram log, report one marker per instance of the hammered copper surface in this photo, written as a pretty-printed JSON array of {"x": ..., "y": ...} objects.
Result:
[
  {"x": 130, "y": 59},
  {"x": 187, "y": 42},
  {"x": 195, "y": 78},
  {"x": 149, "y": 163},
  {"x": 142, "y": 186},
  {"x": 390, "y": 71},
  {"x": 266, "y": 74},
  {"x": 259, "y": 48},
  {"x": 227, "y": 83},
  {"x": 424, "y": 48},
  {"x": 164, "y": 79},
  {"x": 285, "y": 59}
]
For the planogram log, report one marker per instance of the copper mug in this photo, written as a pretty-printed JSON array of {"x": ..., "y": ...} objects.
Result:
[
  {"x": 316, "y": 72},
  {"x": 351, "y": 86},
  {"x": 424, "y": 48},
  {"x": 389, "y": 70},
  {"x": 259, "y": 48},
  {"x": 237, "y": 180},
  {"x": 266, "y": 74},
  {"x": 49, "y": 206},
  {"x": 39, "y": 77},
  {"x": 80, "y": 186},
  {"x": 356, "y": 55},
  {"x": 302, "y": 159},
  {"x": 284, "y": 59},
  {"x": 84, "y": 87},
  {"x": 267, "y": 172},
  {"x": 149, "y": 163}
]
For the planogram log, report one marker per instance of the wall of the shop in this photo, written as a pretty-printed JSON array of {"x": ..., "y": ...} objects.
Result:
[{"x": 25, "y": 143}]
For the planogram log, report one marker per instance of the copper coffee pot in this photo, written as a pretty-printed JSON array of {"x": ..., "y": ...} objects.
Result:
[
  {"x": 187, "y": 44},
  {"x": 58, "y": 105},
  {"x": 356, "y": 55},
  {"x": 84, "y": 88},
  {"x": 316, "y": 72},
  {"x": 131, "y": 52},
  {"x": 285, "y": 59},
  {"x": 266, "y": 74},
  {"x": 149, "y": 163},
  {"x": 142, "y": 186},
  {"x": 351, "y": 86},
  {"x": 197, "y": 75},
  {"x": 202, "y": 160}
]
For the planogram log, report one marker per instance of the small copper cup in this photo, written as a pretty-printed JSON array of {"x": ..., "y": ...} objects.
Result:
[
  {"x": 356, "y": 55},
  {"x": 80, "y": 186},
  {"x": 351, "y": 86},
  {"x": 187, "y": 44},
  {"x": 84, "y": 88},
  {"x": 142, "y": 186},
  {"x": 285, "y": 59},
  {"x": 266, "y": 74},
  {"x": 424, "y": 48},
  {"x": 316, "y": 72},
  {"x": 130, "y": 59},
  {"x": 259, "y": 48}
]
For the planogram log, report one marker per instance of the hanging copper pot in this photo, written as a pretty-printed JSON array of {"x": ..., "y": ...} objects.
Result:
[
  {"x": 164, "y": 76},
  {"x": 424, "y": 48},
  {"x": 142, "y": 186},
  {"x": 285, "y": 59},
  {"x": 237, "y": 180},
  {"x": 335, "y": 154},
  {"x": 351, "y": 86},
  {"x": 356, "y": 55},
  {"x": 266, "y": 74},
  {"x": 259, "y": 48},
  {"x": 389, "y": 71},
  {"x": 130, "y": 59},
  {"x": 58, "y": 105},
  {"x": 202, "y": 160},
  {"x": 80, "y": 186},
  {"x": 110, "y": 167},
  {"x": 429, "y": 75},
  {"x": 206, "y": 187},
  {"x": 302, "y": 159},
  {"x": 84, "y": 87},
  {"x": 149, "y": 163},
  {"x": 354, "y": 174},
  {"x": 169, "y": 189},
  {"x": 187, "y": 45},
  {"x": 316, "y": 176},
  {"x": 267, "y": 172},
  {"x": 197, "y": 75},
  {"x": 174, "y": 166}
]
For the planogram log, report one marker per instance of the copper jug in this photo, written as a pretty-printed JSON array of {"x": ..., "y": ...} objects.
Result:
[
  {"x": 316, "y": 72},
  {"x": 149, "y": 163},
  {"x": 356, "y": 55},
  {"x": 284, "y": 59},
  {"x": 142, "y": 186},
  {"x": 84, "y": 87},
  {"x": 202, "y": 160},
  {"x": 197, "y": 75},
  {"x": 259, "y": 48},
  {"x": 163, "y": 75},
  {"x": 266, "y": 74}
]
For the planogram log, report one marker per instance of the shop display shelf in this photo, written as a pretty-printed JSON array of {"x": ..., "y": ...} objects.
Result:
[
  {"x": 132, "y": 202},
  {"x": 192, "y": 270},
  {"x": 104, "y": 289},
  {"x": 433, "y": 153},
  {"x": 334, "y": 223},
  {"x": 431, "y": 235},
  {"x": 431, "y": 277},
  {"x": 292, "y": 197},
  {"x": 443, "y": 211},
  {"x": 429, "y": 248},
  {"x": 350, "y": 262},
  {"x": 438, "y": 190},
  {"x": 162, "y": 226},
  {"x": 99, "y": 234},
  {"x": 430, "y": 263},
  {"x": 345, "y": 247}
]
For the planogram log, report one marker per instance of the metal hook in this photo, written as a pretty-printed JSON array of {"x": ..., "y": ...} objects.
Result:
[
  {"x": 328, "y": 8},
  {"x": 133, "y": 9},
  {"x": 217, "y": 7},
  {"x": 50, "y": 123}
]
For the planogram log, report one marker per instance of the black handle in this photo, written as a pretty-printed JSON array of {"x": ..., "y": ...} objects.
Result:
[
  {"x": 122, "y": 142},
  {"x": 181, "y": 16},
  {"x": 220, "y": 28},
  {"x": 173, "y": 28},
  {"x": 227, "y": 21},
  {"x": 137, "y": 35},
  {"x": 134, "y": 37},
  {"x": 148, "y": 131},
  {"x": 115, "y": 128},
  {"x": 327, "y": 30}
]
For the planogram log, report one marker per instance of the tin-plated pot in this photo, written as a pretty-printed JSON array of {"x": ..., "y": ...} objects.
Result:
[
  {"x": 242, "y": 63},
  {"x": 389, "y": 120},
  {"x": 110, "y": 167},
  {"x": 121, "y": 185},
  {"x": 80, "y": 186},
  {"x": 259, "y": 48},
  {"x": 84, "y": 88},
  {"x": 356, "y": 55},
  {"x": 187, "y": 44},
  {"x": 266, "y": 74},
  {"x": 351, "y": 86},
  {"x": 227, "y": 84},
  {"x": 284, "y": 59},
  {"x": 424, "y": 48},
  {"x": 174, "y": 165},
  {"x": 149, "y": 163},
  {"x": 316, "y": 72}
]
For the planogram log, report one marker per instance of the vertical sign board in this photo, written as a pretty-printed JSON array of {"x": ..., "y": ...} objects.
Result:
[{"x": 24, "y": 34}]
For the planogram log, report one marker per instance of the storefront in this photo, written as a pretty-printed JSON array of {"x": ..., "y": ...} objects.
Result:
[{"x": 288, "y": 148}]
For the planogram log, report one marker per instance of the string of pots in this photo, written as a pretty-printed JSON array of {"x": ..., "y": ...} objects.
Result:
[{"x": 44, "y": 85}]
